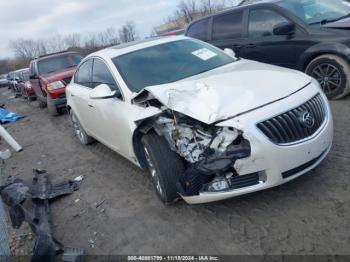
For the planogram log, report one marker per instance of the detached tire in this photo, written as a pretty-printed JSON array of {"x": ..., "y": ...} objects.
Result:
[
  {"x": 165, "y": 166},
  {"x": 333, "y": 74},
  {"x": 51, "y": 106}
]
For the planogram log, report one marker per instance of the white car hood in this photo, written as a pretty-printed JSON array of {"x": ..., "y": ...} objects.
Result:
[{"x": 227, "y": 91}]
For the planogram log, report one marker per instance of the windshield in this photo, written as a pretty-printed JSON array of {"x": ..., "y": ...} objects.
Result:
[
  {"x": 317, "y": 11},
  {"x": 170, "y": 62},
  {"x": 58, "y": 63}
]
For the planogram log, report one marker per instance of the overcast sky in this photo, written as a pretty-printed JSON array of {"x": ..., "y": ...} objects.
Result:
[{"x": 44, "y": 18}]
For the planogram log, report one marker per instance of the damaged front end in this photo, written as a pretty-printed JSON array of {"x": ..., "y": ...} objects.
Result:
[{"x": 209, "y": 151}]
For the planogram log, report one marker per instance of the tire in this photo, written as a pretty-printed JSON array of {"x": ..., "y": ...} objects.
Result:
[
  {"x": 31, "y": 98},
  {"x": 165, "y": 166},
  {"x": 333, "y": 74},
  {"x": 42, "y": 104},
  {"x": 51, "y": 107},
  {"x": 79, "y": 131}
]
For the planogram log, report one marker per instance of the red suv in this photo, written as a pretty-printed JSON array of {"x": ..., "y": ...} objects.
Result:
[{"x": 49, "y": 76}]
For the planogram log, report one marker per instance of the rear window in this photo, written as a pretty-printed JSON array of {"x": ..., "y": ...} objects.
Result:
[
  {"x": 199, "y": 30},
  {"x": 58, "y": 63},
  {"x": 227, "y": 26}
]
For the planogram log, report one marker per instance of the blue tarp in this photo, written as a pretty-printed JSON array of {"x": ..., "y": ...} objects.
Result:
[{"x": 6, "y": 116}]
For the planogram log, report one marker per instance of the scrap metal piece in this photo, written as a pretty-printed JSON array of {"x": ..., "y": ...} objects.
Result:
[{"x": 46, "y": 247}]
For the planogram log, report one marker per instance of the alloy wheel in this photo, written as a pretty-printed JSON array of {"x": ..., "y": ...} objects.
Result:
[
  {"x": 77, "y": 128},
  {"x": 153, "y": 172},
  {"x": 328, "y": 76}
]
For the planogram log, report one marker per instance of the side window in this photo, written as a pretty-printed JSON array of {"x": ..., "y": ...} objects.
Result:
[
  {"x": 199, "y": 30},
  {"x": 262, "y": 22},
  {"x": 102, "y": 75},
  {"x": 227, "y": 26},
  {"x": 83, "y": 74}
]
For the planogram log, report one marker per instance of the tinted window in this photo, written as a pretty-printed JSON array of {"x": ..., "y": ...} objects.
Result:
[
  {"x": 228, "y": 26},
  {"x": 169, "y": 62},
  {"x": 262, "y": 22},
  {"x": 83, "y": 75},
  {"x": 102, "y": 75},
  {"x": 199, "y": 30},
  {"x": 58, "y": 63}
]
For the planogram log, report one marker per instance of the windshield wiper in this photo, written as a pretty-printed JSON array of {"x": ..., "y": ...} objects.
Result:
[
  {"x": 342, "y": 17},
  {"x": 326, "y": 21}
]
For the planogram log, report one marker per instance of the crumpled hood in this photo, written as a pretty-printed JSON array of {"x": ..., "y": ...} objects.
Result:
[{"x": 227, "y": 91}]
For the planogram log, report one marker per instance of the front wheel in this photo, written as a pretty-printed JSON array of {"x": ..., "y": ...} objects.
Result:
[
  {"x": 52, "y": 107},
  {"x": 165, "y": 166},
  {"x": 333, "y": 74},
  {"x": 82, "y": 136}
]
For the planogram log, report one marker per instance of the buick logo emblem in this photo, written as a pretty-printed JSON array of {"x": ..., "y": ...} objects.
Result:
[{"x": 307, "y": 119}]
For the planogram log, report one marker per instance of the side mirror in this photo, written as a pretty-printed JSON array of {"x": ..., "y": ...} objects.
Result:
[
  {"x": 230, "y": 52},
  {"x": 285, "y": 28},
  {"x": 103, "y": 91}
]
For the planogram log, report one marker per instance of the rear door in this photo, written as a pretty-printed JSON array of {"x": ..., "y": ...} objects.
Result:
[{"x": 264, "y": 46}]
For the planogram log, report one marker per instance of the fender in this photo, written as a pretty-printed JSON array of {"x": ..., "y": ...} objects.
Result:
[{"x": 323, "y": 48}]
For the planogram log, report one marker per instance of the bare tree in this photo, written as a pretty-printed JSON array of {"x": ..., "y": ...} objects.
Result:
[
  {"x": 127, "y": 32},
  {"x": 187, "y": 10},
  {"x": 55, "y": 44},
  {"x": 108, "y": 37},
  {"x": 72, "y": 40},
  {"x": 208, "y": 7},
  {"x": 27, "y": 49}
]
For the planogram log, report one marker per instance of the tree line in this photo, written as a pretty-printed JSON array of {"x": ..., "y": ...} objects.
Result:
[{"x": 27, "y": 49}]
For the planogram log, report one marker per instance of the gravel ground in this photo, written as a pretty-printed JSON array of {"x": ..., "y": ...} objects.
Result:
[{"x": 117, "y": 212}]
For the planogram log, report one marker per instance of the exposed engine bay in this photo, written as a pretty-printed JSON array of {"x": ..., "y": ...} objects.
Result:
[{"x": 210, "y": 151}]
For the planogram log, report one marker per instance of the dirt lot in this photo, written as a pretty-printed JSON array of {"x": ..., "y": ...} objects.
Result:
[{"x": 307, "y": 216}]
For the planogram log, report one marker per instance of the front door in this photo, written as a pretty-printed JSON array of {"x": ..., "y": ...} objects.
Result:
[{"x": 264, "y": 46}]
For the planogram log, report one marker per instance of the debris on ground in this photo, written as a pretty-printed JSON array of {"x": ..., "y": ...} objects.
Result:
[
  {"x": 40, "y": 191},
  {"x": 79, "y": 178},
  {"x": 7, "y": 117}
]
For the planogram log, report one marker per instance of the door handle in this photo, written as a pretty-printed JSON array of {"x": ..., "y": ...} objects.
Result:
[
  {"x": 90, "y": 105},
  {"x": 236, "y": 46},
  {"x": 251, "y": 46}
]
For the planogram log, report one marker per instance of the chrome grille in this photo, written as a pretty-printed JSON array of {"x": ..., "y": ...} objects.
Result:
[{"x": 291, "y": 126}]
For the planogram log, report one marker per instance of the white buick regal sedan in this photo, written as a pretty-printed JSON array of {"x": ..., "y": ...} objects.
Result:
[{"x": 207, "y": 125}]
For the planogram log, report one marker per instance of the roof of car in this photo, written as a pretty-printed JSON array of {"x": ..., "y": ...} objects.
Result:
[
  {"x": 119, "y": 50},
  {"x": 53, "y": 55},
  {"x": 253, "y": 2},
  {"x": 241, "y": 5}
]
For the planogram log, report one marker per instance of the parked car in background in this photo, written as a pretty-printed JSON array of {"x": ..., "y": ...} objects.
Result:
[
  {"x": 208, "y": 126},
  {"x": 3, "y": 80},
  {"x": 11, "y": 80},
  {"x": 24, "y": 86},
  {"x": 312, "y": 36},
  {"x": 49, "y": 75}
]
